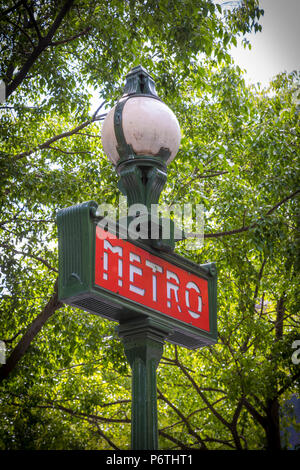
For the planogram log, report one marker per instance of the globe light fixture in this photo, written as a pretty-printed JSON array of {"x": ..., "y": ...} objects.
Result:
[{"x": 140, "y": 136}]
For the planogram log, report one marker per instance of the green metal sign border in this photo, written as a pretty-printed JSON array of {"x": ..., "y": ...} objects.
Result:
[{"x": 76, "y": 281}]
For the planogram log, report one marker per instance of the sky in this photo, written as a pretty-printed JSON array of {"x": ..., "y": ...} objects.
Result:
[{"x": 277, "y": 47}]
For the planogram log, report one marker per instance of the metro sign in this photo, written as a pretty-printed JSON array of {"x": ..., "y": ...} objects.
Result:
[
  {"x": 123, "y": 280},
  {"x": 137, "y": 275}
]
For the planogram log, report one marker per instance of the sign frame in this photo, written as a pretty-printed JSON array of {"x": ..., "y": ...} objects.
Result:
[{"x": 77, "y": 288}]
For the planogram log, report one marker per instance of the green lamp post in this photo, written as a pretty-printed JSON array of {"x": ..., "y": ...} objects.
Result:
[
  {"x": 140, "y": 136},
  {"x": 152, "y": 293}
]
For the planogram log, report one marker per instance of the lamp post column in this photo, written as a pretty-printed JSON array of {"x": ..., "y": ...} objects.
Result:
[
  {"x": 143, "y": 344},
  {"x": 140, "y": 136}
]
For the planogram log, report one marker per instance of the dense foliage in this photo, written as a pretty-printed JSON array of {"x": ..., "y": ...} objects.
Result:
[{"x": 66, "y": 383}]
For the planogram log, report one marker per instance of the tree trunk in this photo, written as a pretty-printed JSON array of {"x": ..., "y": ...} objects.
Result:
[
  {"x": 273, "y": 425},
  {"x": 272, "y": 404}
]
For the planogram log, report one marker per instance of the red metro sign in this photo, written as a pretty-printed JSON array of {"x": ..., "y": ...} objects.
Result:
[
  {"x": 135, "y": 274},
  {"x": 128, "y": 280}
]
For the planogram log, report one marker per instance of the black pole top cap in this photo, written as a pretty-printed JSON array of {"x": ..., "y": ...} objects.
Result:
[{"x": 139, "y": 81}]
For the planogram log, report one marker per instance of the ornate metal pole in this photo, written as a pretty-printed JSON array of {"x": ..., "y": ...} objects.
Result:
[
  {"x": 141, "y": 135},
  {"x": 131, "y": 281},
  {"x": 143, "y": 341}
]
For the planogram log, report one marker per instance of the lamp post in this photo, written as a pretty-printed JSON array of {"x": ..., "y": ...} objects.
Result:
[
  {"x": 153, "y": 294},
  {"x": 141, "y": 136}
]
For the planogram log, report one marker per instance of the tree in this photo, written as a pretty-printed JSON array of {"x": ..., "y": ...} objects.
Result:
[
  {"x": 243, "y": 148},
  {"x": 66, "y": 383}
]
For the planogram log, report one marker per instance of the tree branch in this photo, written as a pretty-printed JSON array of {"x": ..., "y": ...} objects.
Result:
[
  {"x": 280, "y": 309},
  {"x": 256, "y": 415},
  {"x": 48, "y": 142},
  {"x": 23, "y": 32},
  {"x": 95, "y": 115},
  {"x": 42, "y": 44},
  {"x": 234, "y": 421},
  {"x": 11, "y": 340},
  {"x": 245, "y": 229},
  {"x": 183, "y": 418},
  {"x": 102, "y": 434},
  {"x": 220, "y": 441},
  {"x": 35, "y": 327},
  {"x": 32, "y": 19},
  {"x": 211, "y": 175},
  {"x": 245, "y": 344},
  {"x": 67, "y": 152},
  {"x": 175, "y": 441},
  {"x": 66, "y": 40},
  {"x": 8, "y": 10},
  {"x": 229, "y": 232},
  {"x": 30, "y": 255},
  {"x": 287, "y": 385},
  {"x": 202, "y": 395},
  {"x": 13, "y": 218},
  {"x": 93, "y": 417}
]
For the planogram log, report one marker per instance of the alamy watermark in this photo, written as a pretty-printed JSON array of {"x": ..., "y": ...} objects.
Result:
[
  {"x": 296, "y": 354},
  {"x": 2, "y": 91},
  {"x": 178, "y": 221},
  {"x": 2, "y": 352}
]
